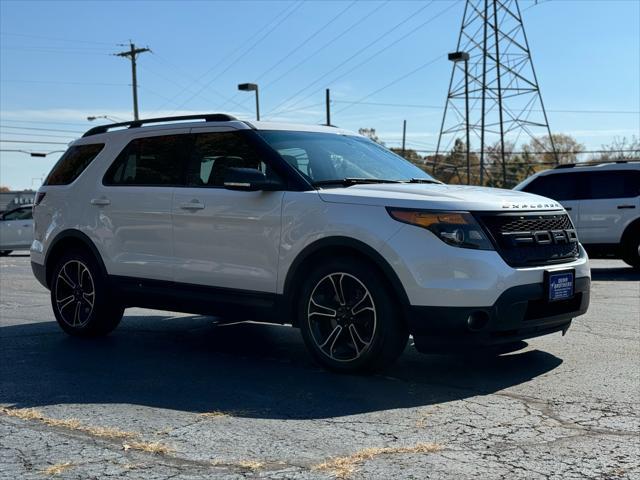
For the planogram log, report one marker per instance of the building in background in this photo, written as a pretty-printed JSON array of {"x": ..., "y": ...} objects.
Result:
[{"x": 14, "y": 199}]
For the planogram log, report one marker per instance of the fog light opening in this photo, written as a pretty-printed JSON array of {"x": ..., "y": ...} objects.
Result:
[{"x": 477, "y": 320}]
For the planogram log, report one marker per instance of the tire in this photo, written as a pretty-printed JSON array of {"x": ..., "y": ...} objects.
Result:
[
  {"x": 349, "y": 318},
  {"x": 631, "y": 248},
  {"x": 80, "y": 297},
  {"x": 4, "y": 253}
]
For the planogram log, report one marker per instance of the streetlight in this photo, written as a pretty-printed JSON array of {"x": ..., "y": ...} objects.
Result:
[
  {"x": 251, "y": 87},
  {"x": 456, "y": 57},
  {"x": 91, "y": 118}
]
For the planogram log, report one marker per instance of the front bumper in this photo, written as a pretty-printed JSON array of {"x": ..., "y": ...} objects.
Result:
[{"x": 521, "y": 312}]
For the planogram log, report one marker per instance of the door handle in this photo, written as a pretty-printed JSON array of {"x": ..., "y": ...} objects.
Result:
[
  {"x": 192, "y": 205},
  {"x": 100, "y": 202},
  {"x": 620, "y": 207}
]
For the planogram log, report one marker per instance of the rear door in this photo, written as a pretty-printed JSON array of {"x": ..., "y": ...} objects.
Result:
[
  {"x": 225, "y": 238},
  {"x": 611, "y": 202},
  {"x": 565, "y": 188},
  {"x": 132, "y": 205}
]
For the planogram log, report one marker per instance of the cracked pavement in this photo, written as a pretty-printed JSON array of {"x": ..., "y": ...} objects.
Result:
[{"x": 561, "y": 408}]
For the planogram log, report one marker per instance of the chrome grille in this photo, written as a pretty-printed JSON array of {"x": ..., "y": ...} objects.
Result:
[{"x": 532, "y": 239}]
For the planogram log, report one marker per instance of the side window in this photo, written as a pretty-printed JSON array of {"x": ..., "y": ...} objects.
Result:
[
  {"x": 617, "y": 184},
  {"x": 213, "y": 153},
  {"x": 73, "y": 163},
  {"x": 298, "y": 158},
  {"x": 12, "y": 215},
  {"x": 566, "y": 186},
  {"x": 149, "y": 161},
  {"x": 26, "y": 214}
]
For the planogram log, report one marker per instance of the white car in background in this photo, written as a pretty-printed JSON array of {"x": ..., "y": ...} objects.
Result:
[
  {"x": 603, "y": 202},
  {"x": 16, "y": 230}
]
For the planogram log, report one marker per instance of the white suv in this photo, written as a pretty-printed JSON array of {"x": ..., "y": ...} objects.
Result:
[
  {"x": 603, "y": 201},
  {"x": 313, "y": 226}
]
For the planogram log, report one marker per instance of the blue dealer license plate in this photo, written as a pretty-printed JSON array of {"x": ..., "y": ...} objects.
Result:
[{"x": 560, "y": 285}]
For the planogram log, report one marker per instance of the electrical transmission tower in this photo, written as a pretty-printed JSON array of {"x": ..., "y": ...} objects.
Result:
[{"x": 494, "y": 100}]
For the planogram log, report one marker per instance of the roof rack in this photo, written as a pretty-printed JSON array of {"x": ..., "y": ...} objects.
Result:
[
  {"x": 564, "y": 165},
  {"x": 208, "y": 117}
]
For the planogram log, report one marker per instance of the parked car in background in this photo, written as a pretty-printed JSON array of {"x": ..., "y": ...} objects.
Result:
[
  {"x": 603, "y": 201},
  {"x": 16, "y": 230},
  {"x": 308, "y": 225}
]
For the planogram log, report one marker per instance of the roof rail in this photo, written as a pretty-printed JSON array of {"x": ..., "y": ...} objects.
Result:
[
  {"x": 207, "y": 117},
  {"x": 565, "y": 165}
]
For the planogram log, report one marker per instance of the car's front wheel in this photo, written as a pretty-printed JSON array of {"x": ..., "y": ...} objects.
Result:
[
  {"x": 80, "y": 297},
  {"x": 349, "y": 318}
]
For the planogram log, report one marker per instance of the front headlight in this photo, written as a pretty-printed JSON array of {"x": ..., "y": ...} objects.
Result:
[{"x": 458, "y": 229}]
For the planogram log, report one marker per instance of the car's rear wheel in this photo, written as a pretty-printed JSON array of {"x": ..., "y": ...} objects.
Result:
[
  {"x": 631, "y": 248},
  {"x": 81, "y": 299},
  {"x": 4, "y": 253},
  {"x": 349, "y": 318}
]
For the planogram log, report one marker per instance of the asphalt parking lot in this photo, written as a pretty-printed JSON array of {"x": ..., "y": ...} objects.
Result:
[{"x": 174, "y": 396}]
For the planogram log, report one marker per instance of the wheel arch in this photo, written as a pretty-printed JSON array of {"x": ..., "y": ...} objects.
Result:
[
  {"x": 65, "y": 240},
  {"x": 333, "y": 246},
  {"x": 633, "y": 226}
]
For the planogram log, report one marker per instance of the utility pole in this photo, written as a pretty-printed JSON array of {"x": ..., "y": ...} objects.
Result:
[
  {"x": 131, "y": 54},
  {"x": 327, "y": 98},
  {"x": 404, "y": 135}
]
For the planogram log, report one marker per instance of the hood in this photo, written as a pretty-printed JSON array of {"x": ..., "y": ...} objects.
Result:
[{"x": 438, "y": 197}]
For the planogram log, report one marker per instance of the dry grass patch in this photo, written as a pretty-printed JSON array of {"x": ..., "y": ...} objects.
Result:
[
  {"x": 344, "y": 467},
  {"x": 244, "y": 464},
  {"x": 214, "y": 414},
  {"x": 149, "y": 447},
  {"x": 57, "y": 469},
  {"x": 70, "y": 423}
]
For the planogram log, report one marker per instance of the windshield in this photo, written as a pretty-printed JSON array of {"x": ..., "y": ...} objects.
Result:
[{"x": 326, "y": 157}]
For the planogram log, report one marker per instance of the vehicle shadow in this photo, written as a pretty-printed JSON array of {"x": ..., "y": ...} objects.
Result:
[
  {"x": 253, "y": 370},
  {"x": 620, "y": 274}
]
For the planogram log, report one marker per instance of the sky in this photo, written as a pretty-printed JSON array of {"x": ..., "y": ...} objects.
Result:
[{"x": 384, "y": 61}]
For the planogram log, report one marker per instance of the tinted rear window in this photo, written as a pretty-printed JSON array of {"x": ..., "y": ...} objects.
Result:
[
  {"x": 557, "y": 187},
  {"x": 587, "y": 185},
  {"x": 149, "y": 161},
  {"x": 73, "y": 163},
  {"x": 618, "y": 184}
]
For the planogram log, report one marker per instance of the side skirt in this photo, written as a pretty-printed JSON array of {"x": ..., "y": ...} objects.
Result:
[{"x": 232, "y": 304}]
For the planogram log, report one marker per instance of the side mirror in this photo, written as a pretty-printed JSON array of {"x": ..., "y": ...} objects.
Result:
[{"x": 249, "y": 180}]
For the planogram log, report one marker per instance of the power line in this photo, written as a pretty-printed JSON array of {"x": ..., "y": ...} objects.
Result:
[
  {"x": 393, "y": 82},
  {"x": 40, "y": 129},
  {"x": 57, "y": 39},
  {"x": 56, "y": 82},
  {"x": 327, "y": 44},
  {"x": 358, "y": 65},
  {"x": 305, "y": 41},
  {"x": 439, "y": 107},
  {"x": 41, "y": 135},
  {"x": 34, "y": 141},
  {"x": 47, "y": 122},
  {"x": 269, "y": 31}
]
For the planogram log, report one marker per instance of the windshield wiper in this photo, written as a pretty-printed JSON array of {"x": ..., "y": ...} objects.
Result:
[
  {"x": 423, "y": 180},
  {"x": 353, "y": 181}
]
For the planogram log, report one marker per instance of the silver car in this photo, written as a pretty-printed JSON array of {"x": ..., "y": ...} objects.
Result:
[{"x": 16, "y": 230}]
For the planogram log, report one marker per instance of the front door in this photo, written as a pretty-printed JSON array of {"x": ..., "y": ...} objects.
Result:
[{"x": 224, "y": 238}]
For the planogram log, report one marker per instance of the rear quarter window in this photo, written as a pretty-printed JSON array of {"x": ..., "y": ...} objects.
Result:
[{"x": 74, "y": 161}]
